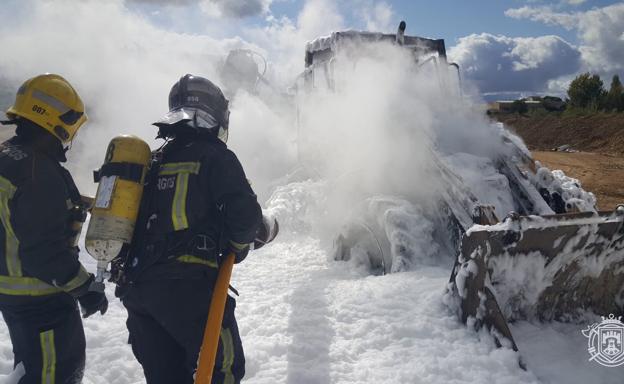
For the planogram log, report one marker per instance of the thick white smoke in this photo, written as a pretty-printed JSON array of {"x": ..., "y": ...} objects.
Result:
[
  {"x": 373, "y": 135},
  {"x": 382, "y": 130},
  {"x": 121, "y": 64}
]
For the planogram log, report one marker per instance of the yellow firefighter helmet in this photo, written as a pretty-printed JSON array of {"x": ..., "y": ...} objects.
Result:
[{"x": 49, "y": 101}]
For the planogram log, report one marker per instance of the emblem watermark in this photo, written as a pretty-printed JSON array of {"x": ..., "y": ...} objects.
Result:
[{"x": 605, "y": 341}]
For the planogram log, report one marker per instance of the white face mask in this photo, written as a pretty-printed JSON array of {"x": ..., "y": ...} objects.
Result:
[
  {"x": 223, "y": 134},
  {"x": 195, "y": 118},
  {"x": 204, "y": 120}
]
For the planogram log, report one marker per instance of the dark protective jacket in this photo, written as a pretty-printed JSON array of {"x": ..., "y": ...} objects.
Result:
[
  {"x": 196, "y": 200},
  {"x": 38, "y": 205}
]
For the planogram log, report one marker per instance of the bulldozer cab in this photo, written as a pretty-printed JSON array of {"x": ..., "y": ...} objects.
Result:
[
  {"x": 553, "y": 258},
  {"x": 322, "y": 53},
  {"x": 331, "y": 60}
]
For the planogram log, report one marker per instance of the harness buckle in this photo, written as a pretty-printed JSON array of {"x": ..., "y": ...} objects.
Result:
[{"x": 203, "y": 245}]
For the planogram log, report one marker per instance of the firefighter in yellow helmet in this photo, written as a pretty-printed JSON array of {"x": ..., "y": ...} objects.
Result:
[{"x": 41, "y": 279}]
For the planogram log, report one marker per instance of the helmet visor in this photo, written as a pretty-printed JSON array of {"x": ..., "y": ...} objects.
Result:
[
  {"x": 196, "y": 117},
  {"x": 71, "y": 117}
]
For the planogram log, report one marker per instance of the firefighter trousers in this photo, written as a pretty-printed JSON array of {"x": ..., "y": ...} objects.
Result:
[
  {"x": 166, "y": 322},
  {"x": 48, "y": 339}
]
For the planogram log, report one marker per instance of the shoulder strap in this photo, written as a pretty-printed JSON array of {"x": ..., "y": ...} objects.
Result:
[{"x": 74, "y": 193}]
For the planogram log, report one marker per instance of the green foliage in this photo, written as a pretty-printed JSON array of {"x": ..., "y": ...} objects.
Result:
[
  {"x": 575, "y": 112},
  {"x": 553, "y": 104},
  {"x": 542, "y": 112},
  {"x": 614, "y": 100},
  {"x": 586, "y": 91}
]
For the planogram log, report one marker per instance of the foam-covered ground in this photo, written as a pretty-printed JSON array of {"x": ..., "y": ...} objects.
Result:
[
  {"x": 557, "y": 353},
  {"x": 306, "y": 319}
]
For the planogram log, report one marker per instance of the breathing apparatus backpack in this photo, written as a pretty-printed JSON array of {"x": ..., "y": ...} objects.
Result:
[{"x": 116, "y": 207}]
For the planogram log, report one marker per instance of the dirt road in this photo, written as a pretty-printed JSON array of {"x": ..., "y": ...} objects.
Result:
[{"x": 599, "y": 173}]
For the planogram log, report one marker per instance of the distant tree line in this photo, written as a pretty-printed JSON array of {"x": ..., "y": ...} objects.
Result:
[{"x": 587, "y": 92}]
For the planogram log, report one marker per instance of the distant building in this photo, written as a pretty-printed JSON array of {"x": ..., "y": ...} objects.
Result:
[
  {"x": 507, "y": 106},
  {"x": 532, "y": 103}
]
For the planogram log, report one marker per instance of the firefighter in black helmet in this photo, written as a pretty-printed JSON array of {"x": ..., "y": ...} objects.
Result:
[
  {"x": 41, "y": 212},
  {"x": 197, "y": 207}
]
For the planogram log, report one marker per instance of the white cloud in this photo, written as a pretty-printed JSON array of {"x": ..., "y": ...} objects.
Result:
[
  {"x": 235, "y": 8},
  {"x": 377, "y": 16},
  {"x": 219, "y": 8},
  {"x": 164, "y": 2},
  {"x": 499, "y": 64},
  {"x": 544, "y": 14},
  {"x": 285, "y": 39},
  {"x": 122, "y": 65},
  {"x": 599, "y": 30}
]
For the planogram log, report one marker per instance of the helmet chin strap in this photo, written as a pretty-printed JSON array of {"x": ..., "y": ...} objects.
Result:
[
  {"x": 69, "y": 146},
  {"x": 195, "y": 125},
  {"x": 8, "y": 122}
]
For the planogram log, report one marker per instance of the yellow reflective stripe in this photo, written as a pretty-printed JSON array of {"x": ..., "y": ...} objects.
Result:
[
  {"x": 239, "y": 246},
  {"x": 175, "y": 168},
  {"x": 196, "y": 260},
  {"x": 228, "y": 355},
  {"x": 11, "y": 246},
  {"x": 14, "y": 266},
  {"x": 182, "y": 171},
  {"x": 25, "y": 286},
  {"x": 178, "y": 210},
  {"x": 48, "y": 353},
  {"x": 6, "y": 187},
  {"x": 81, "y": 277},
  {"x": 52, "y": 101}
]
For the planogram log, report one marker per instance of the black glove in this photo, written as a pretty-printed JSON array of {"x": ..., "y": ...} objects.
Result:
[
  {"x": 266, "y": 233},
  {"x": 92, "y": 302},
  {"x": 239, "y": 250},
  {"x": 118, "y": 266}
]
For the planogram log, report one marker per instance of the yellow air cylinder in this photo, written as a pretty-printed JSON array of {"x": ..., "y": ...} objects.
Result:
[{"x": 118, "y": 198}]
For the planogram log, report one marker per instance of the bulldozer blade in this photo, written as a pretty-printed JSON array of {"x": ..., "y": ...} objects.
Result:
[{"x": 556, "y": 267}]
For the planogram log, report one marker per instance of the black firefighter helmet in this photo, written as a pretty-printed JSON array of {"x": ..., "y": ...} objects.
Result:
[{"x": 196, "y": 103}]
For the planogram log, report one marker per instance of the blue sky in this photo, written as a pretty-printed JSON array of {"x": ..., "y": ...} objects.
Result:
[
  {"x": 451, "y": 19},
  {"x": 447, "y": 19}
]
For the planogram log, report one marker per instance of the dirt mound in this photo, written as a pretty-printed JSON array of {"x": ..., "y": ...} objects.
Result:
[
  {"x": 601, "y": 132},
  {"x": 601, "y": 174}
]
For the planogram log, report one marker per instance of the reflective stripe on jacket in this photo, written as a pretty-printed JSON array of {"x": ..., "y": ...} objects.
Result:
[
  {"x": 36, "y": 198},
  {"x": 196, "y": 197}
]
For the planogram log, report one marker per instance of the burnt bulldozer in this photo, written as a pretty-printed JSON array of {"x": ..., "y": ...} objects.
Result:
[
  {"x": 553, "y": 257},
  {"x": 557, "y": 262},
  {"x": 321, "y": 54},
  {"x": 555, "y": 267}
]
